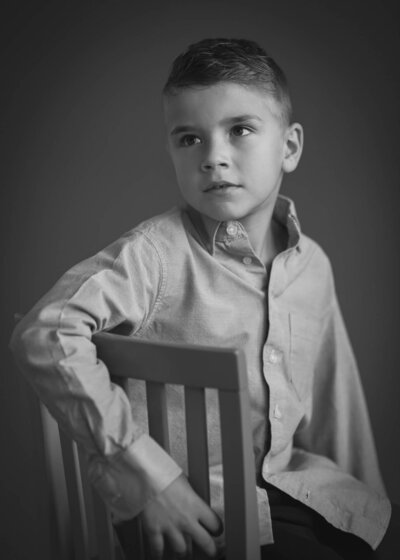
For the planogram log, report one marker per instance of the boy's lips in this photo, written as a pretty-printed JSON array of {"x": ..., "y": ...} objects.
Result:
[{"x": 220, "y": 186}]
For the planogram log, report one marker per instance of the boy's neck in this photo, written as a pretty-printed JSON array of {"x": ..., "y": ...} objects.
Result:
[{"x": 267, "y": 237}]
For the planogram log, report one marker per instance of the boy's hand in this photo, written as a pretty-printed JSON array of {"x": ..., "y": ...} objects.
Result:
[{"x": 178, "y": 516}]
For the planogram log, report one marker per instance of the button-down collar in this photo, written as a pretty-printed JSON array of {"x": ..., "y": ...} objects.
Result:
[{"x": 210, "y": 231}]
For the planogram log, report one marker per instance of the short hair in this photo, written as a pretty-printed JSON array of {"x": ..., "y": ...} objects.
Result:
[{"x": 240, "y": 61}]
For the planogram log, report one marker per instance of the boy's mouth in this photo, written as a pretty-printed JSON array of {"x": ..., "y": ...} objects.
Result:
[{"x": 220, "y": 186}]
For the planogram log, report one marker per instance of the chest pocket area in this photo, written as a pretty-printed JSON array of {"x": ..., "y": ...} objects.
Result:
[{"x": 304, "y": 341}]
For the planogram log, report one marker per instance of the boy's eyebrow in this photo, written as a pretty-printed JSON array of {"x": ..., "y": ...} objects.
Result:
[
  {"x": 229, "y": 120},
  {"x": 182, "y": 128},
  {"x": 241, "y": 118}
]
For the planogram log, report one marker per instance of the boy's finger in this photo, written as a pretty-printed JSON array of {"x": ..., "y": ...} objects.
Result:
[
  {"x": 210, "y": 520},
  {"x": 177, "y": 543},
  {"x": 189, "y": 546},
  {"x": 202, "y": 538},
  {"x": 155, "y": 544},
  {"x": 217, "y": 532}
]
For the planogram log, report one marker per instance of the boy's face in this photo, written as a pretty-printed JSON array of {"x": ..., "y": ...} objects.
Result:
[{"x": 229, "y": 149}]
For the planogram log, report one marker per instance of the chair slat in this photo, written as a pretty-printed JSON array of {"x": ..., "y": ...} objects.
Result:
[
  {"x": 157, "y": 413},
  {"x": 197, "y": 447},
  {"x": 87, "y": 490},
  {"x": 104, "y": 529},
  {"x": 241, "y": 515},
  {"x": 61, "y": 529},
  {"x": 75, "y": 497}
]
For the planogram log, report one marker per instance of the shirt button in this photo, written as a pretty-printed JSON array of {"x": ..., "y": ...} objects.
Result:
[
  {"x": 277, "y": 412},
  {"x": 247, "y": 260},
  {"x": 231, "y": 229},
  {"x": 274, "y": 357}
]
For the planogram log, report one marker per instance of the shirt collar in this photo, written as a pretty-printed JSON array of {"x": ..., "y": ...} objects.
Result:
[{"x": 284, "y": 212}]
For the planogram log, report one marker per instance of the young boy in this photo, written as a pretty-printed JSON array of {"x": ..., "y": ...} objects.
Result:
[{"x": 229, "y": 268}]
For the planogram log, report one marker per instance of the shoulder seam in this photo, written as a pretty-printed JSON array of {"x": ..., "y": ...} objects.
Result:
[{"x": 161, "y": 290}]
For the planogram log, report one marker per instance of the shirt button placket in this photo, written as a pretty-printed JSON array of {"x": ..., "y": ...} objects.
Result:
[{"x": 274, "y": 357}]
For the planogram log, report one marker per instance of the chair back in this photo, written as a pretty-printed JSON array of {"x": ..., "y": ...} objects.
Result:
[{"x": 196, "y": 369}]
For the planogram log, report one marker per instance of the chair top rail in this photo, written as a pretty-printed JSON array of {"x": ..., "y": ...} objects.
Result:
[{"x": 197, "y": 366}]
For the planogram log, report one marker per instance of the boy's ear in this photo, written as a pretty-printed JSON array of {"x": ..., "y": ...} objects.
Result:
[{"x": 294, "y": 138}]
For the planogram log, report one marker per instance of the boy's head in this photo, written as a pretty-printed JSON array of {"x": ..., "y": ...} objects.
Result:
[
  {"x": 227, "y": 112},
  {"x": 238, "y": 61}
]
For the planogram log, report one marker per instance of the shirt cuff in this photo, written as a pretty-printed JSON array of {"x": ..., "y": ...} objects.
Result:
[{"x": 127, "y": 481}]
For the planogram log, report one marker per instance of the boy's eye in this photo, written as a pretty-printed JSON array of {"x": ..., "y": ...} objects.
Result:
[
  {"x": 240, "y": 130},
  {"x": 189, "y": 140}
]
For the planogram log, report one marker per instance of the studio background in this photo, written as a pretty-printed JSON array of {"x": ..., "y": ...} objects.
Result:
[{"x": 83, "y": 160}]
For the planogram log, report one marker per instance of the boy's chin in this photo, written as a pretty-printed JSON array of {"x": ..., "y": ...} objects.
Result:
[{"x": 221, "y": 215}]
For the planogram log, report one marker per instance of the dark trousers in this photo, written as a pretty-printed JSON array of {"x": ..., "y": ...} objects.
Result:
[{"x": 302, "y": 534}]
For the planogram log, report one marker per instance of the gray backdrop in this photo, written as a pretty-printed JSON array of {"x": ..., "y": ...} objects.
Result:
[{"x": 83, "y": 160}]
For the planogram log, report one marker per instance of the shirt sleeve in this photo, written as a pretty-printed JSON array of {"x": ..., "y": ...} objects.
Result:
[
  {"x": 119, "y": 287},
  {"x": 338, "y": 426}
]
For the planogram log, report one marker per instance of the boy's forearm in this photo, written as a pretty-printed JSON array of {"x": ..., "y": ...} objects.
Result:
[{"x": 127, "y": 468}]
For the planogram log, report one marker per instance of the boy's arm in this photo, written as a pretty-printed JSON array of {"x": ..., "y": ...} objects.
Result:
[
  {"x": 52, "y": 344},
  {"x": 339, "y": 425}
]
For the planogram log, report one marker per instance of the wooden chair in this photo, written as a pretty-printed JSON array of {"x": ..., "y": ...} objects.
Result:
[{"x": 195, "y": 368}]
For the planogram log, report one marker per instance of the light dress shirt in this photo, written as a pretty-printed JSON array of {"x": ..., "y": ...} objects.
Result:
[{"x": 180, "y": 277}]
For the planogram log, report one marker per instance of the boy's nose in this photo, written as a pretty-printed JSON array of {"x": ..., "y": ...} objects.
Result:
[
  {"x": 215, "y": 157},
  {"x": 210, "y": 165}
]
